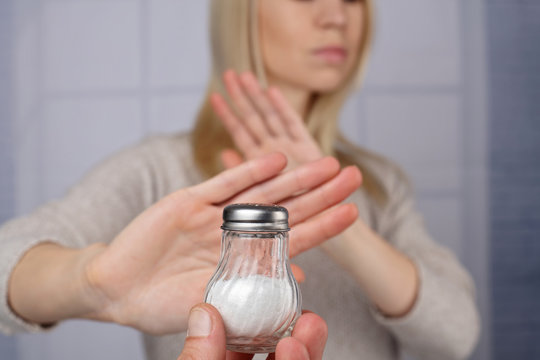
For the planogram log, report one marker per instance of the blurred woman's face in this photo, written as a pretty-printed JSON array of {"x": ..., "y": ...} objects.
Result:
[{"x": 310, "y": 44}]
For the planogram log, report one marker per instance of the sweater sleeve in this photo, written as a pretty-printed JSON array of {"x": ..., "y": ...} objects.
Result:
[
  {"x": 444, "y": 322},
  {"x": 95, "y": 210}
]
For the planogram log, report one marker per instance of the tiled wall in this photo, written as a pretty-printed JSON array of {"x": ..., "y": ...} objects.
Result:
[
  {"x": 94, "y": 76},
  {"x": 99, "y": 76},
  {"x": 514, "y": 52}
]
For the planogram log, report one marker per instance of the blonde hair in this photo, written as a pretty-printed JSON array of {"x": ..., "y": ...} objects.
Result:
[{"x": 234, "y": 45}]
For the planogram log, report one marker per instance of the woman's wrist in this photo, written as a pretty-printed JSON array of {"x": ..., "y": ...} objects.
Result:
[
  {"x": 389, "y": 277},
  {"x": 50, "y": 284}
]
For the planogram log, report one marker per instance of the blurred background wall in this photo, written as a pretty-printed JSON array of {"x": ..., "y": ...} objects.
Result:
[
  {"x": 81, "y": 79},
  {"x": 514, "y": 132},
  {"x": 7, "y": 193}
]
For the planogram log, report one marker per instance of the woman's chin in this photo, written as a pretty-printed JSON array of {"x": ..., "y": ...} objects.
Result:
[
  {"x": 326, "y": 87},
  {"x": 325, "y": 83}
]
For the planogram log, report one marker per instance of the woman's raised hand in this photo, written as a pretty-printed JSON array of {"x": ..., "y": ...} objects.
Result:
[
  {"x": 261, "y": 121},
  {"x": 156, "y": 269}
]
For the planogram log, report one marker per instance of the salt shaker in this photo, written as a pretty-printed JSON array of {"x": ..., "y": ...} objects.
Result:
[{"x": 253, "y": 286}]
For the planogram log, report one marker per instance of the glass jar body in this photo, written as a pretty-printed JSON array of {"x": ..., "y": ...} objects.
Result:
[{"x": 254, "y": 290}]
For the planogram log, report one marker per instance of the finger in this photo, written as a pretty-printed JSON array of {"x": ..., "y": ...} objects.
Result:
[
  {"x": 322, "y": 227},
  {"x": 206, "y": 335},
  {"x": 326, "y": 195},
  {"x": 239, "y": 133},
  {"x": 290, "y": 348},
  {"x": 248, "y": 114},
  {"x": 294, "y": 124},
  {"x": 300, "y": 180},
  {"x": 311, "y": 330},
  {"x": 231, "y": 158},
  {"x": 298, "y": 273},
  {"x": 263, "y": 105},
  {"x": 230, "y": 182}
]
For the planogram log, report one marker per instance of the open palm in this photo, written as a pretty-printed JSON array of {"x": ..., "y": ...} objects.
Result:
[{"x": 262, "y": 121}]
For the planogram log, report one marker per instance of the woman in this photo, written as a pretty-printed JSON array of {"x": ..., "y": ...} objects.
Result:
[
  {"x": 382, "y": 287},
  {"x": 406, "y": 291}
]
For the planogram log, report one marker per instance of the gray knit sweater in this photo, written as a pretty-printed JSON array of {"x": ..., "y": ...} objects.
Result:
[{"x": 443, "y": 323}]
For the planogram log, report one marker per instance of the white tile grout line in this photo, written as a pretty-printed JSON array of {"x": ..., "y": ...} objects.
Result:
[
  {"x": 412, "y": 89},
  {"x": 144, "y": 48},
  {"x": 40, "y": 86},
  {"x": 101, "y": 93}
]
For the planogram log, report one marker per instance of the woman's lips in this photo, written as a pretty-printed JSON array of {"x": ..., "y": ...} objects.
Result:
[{"x": 331, "y": 54}]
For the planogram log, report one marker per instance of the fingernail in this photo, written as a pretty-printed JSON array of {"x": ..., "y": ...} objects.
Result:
[{"x": 199, "y": 323}]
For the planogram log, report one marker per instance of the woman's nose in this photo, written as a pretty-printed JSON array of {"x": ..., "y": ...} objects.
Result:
[{"x": 331, "y": 13}]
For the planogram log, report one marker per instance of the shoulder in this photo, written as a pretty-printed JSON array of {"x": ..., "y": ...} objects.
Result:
[
  {"x": 161, "y": 149},
  {"x": 163, "y": 163},
  {"x": 176, "y": 144},
  {"x": 171, "y": 156}
]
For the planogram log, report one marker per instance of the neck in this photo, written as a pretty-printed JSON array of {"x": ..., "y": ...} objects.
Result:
[{"x": 298, "y": 98}]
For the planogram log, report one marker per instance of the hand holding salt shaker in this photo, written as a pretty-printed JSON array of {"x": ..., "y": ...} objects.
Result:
[{"x": 253, "y": 287}]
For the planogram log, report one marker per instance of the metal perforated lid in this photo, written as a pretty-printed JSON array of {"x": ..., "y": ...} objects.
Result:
[{"x": 255, "y": 217}]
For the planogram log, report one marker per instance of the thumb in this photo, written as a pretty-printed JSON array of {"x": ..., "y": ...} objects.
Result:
[
  {"x": 205, "y": 336},
  {"x": 230, "y": 158}
]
